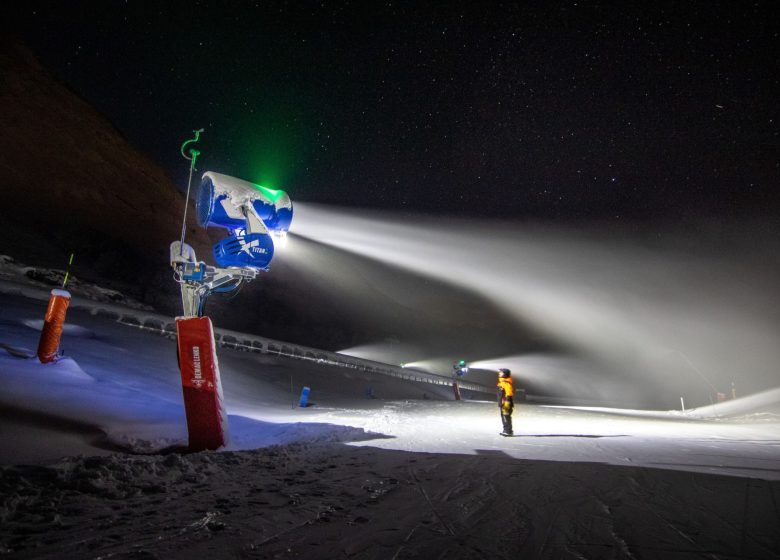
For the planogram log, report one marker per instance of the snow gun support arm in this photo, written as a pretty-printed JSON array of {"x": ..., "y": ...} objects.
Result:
[{"x": 199, "y": 280}]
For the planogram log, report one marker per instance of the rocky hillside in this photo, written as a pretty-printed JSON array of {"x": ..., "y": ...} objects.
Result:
[{"x": 70, "y": 182}]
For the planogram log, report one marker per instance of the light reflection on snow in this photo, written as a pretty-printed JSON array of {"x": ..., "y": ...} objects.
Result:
[{"x": 664, "y": 439}]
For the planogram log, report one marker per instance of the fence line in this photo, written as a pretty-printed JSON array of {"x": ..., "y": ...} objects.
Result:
[{"x": 166, "y": 326}]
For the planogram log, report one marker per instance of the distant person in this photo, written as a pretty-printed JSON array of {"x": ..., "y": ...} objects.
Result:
[{"x": 506, "y": 400}]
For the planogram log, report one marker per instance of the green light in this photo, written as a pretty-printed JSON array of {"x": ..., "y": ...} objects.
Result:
[
  {"x": 270, "y": 154},
  {"x": 462, "y": 363},
  {"x": 271, "y": 194}
]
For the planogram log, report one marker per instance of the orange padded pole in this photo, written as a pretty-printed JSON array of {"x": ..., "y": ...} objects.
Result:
[
  {"x": 207, "y": 422},
  {"x": 52, "y": 326}
]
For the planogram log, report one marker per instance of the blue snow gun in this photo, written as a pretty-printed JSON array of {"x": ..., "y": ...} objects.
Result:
[{"x": 256, "y": 217}]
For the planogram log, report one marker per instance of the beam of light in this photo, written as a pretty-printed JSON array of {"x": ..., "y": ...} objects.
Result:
[
  {"x": 388, "y": 352},
  {"x": 281, "y": 240},
  {"x": 392, "y": 352},
  {"x": 430, "y": 366},
  {"x": 575, "y": 378},
  {"x": 622, "y": 304}
]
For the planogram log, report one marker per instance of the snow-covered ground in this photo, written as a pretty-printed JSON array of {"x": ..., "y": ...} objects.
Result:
[{"x": 409, "y": 473}]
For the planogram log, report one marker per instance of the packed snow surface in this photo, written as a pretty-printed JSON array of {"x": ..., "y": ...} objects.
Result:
[{"x": 407, "y": 473}]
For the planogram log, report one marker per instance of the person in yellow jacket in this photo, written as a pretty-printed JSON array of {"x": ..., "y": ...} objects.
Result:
[{"x": 506, "y": 400}]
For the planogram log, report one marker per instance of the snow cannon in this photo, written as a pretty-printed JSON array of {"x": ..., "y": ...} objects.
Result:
[{"x": 256, "y": 217}]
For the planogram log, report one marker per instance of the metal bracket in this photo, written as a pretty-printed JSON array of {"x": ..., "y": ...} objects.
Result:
[{"x": 199, "y": 280}]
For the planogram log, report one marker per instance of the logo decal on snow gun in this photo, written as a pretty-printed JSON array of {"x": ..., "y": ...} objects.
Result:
[
  {"x": 246, "y": 250},
  {"x": 253, "y": 246}
]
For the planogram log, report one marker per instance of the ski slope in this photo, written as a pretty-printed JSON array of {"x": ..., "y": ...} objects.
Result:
[
  {"x": 407, "y": 473},
  {"x": 124, "y": 383}
]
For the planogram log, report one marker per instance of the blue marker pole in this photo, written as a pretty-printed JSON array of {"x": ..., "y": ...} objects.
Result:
[{"x": 304, "y": 402}]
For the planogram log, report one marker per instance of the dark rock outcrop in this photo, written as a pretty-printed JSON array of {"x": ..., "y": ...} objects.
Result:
[{"x": 70, "y": 182}]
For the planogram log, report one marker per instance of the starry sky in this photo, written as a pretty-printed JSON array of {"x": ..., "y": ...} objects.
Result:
[{"x": 533, "y": 111}]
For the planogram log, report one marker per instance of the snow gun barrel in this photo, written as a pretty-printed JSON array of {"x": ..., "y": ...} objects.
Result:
[{"x": 253, "y": 214}]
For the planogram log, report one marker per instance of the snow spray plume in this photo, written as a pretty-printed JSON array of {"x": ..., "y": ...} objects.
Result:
[{"x": 672, "y": 315}]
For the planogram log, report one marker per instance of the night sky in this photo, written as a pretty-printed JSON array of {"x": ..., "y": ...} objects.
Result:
[{"x": 559, "y": 112}]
